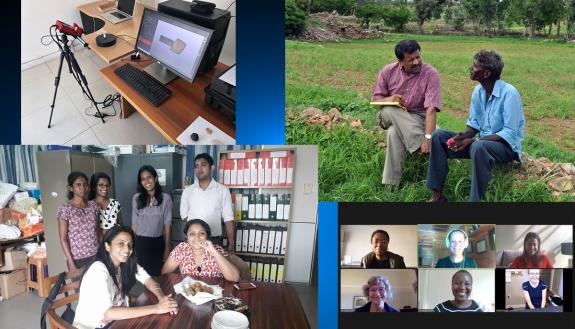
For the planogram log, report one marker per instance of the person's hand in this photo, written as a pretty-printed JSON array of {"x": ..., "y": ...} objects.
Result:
[
  {"x": 209, "y": 246},
  {"x": 460, "y": 144},
  {"x": 396, "y": 98},
  {"x": 425, "y": 146},
  {"x": 167, "y": 304}
]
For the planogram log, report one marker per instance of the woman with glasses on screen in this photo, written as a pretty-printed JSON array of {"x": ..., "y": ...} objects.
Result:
[
  {"x": 378, "y": 291},
  {"x": 532, "y": 256},
  {"x": 534, "y": 290}
]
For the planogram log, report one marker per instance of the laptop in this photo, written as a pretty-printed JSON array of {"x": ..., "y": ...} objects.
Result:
[{"x": 123, "y": 13}]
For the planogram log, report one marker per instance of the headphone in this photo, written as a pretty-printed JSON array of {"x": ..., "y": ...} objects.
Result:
[{"x": 447, "y": 243}]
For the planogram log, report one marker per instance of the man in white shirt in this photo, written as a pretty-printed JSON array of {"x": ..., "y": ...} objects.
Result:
[{"x": 209, "y": 201}]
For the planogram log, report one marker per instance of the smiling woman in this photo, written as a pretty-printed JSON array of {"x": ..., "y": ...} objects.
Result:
[{"x": 461, "y": 287}]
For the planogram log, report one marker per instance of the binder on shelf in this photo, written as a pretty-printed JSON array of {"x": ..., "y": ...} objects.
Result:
[
  {"x": 245, "y": 206},
  {"x": 253, "y": 171},
  {"x": 228, "y": 166},
  {"x": 245, "y": 239},
  {"x": 259, "y": 206},
  {"x": 271, "y": 240},
  {"x": 261, "y": 171},
  {"x": 234, "y": 172},
  {"x": 273, "y": 206},
  {"x": 252, "y": 206},
  {"x": 267, "y": 164},
  {"x": 278, "y": 242},
  {"x": 282, "y": 171},
  {"x": 266, "y": 207},
  {"x": 260, "y": 272},
  {"x": 221, "y": 171},
  {"x": 280, "y": 207},
  {"x": 247, "y": 174},
  {"x": 254, "y": 267},
  {"x": 238, "y": 199},
  {"x": 289, "y": 170},
  {"x": 280, "y": 275},
  {"x": 275, "y": 171},
  {"x": 287, "y": 202},
  {"x": 258, "y": 241},
  {"x": 265, "y": 237},
  {"x": 266, "y": 277},
  {"x": 240, "y": 172},
  {"x": 273, "y": 269},
  {"x": 284, "y": 242},
  {"x": 252, "y": 239},
  {"x": 239, "y": 240}
]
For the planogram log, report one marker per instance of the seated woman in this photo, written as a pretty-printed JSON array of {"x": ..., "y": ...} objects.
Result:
[
  {"x": 461, "y": 287},
  {"x": 456, "y": 241},
  {"x": 380, "y": 257},
  {"x": 199, "y": 256},
  {"x": 378, "y": 291},
  {"x": 534, "y": 290},
  {"x": 107, "y": 281},
  {"x": 532, "y": 256}
]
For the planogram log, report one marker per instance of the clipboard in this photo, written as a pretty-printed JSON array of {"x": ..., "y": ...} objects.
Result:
[{"x": 381, "y": 104}]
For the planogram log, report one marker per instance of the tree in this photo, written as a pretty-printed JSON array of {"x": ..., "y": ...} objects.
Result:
[
  {"x": 341, "y": 6},
  {"x": 295, "y": 18},
  {"x": 396, "y": 17},
  {"x": 536, "y": 14},
  {"x": 427, "y": 9},
  {"x": 455, "y": 16},
  {"x": 570, "y": 13},
  {"x": 369, "y": 11}
]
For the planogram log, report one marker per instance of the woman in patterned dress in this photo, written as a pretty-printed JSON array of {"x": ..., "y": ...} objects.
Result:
[
  {"x": 199, "y": 256},
  {"x": 78, "y": 223},
  {"x": 109, "y": 208}
]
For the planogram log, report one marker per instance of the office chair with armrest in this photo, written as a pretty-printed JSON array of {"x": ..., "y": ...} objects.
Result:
[{"x": 66, "y": 286}]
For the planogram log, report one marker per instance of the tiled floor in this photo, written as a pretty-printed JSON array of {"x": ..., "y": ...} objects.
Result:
[
  {"x": 23, "y": 311},
  {"x": 70, "y": 124}
]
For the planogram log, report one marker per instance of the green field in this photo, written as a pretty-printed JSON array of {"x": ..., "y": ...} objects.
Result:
[{"x": 342, "y": 75}]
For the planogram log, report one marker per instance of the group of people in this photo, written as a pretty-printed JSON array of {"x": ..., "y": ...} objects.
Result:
[
  {"x": 114, "y": 256},
  {"x": 456, "y": 241},
  {"x": 495, "y": 126}
]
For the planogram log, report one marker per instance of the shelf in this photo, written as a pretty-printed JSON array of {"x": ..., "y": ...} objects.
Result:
[
  {"x": 259, "y": 255},
  {"x": 249, "y": 221},
  {"x": 264, "y": 187}
]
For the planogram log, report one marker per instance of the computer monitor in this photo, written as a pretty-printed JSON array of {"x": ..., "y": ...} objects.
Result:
[{"x": 177, "y": 46}]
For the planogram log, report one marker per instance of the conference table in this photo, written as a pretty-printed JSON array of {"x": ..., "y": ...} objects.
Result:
[{"x": 271, "y": 305}]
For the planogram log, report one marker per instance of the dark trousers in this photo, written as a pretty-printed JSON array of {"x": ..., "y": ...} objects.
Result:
[
  {"x": 150, "y": 252},
  {"x": 483, "y": 154}
]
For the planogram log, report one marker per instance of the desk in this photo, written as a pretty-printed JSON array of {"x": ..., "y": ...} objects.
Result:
[
  {"x": 179, "y": 111},
  {"x": 127, "y": 31},
  {"x": 271, "y": 306}
]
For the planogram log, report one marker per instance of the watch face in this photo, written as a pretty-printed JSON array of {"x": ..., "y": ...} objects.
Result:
[{"x": 428, "y": 136}]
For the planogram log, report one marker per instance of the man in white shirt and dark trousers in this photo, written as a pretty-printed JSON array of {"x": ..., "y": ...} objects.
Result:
[{"x": 209, "y": 201}]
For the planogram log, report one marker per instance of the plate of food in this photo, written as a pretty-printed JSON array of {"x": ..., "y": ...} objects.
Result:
[{"x": 198, "y": 292}]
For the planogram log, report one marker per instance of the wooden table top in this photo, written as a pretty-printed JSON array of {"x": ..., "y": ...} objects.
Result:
[
  {"x": 271, "y": 305},
  {"x": 184, "y": 105}
]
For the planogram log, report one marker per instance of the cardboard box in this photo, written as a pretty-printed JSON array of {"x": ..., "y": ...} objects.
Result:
[
  {"x": 14, "y": 260},
  {"x": 12, "y": 283}
]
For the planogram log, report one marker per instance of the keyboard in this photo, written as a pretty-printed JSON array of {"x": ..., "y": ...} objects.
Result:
[{"x": 148, "y": 87}]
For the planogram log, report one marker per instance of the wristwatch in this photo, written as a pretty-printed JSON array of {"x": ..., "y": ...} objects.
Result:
[{"x": 428, "y": 136}]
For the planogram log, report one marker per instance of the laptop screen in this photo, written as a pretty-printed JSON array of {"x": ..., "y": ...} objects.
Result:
[{"x": 126, "y": 6}]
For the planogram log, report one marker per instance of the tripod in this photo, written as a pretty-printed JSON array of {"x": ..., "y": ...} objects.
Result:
[{"x": 74, "y": 69}]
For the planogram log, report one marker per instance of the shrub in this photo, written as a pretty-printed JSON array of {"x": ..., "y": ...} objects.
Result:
[{"x": 295, "y": 18}]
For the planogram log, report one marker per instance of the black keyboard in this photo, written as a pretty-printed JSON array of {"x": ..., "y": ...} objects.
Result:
[{"x": 151, "y": 89}]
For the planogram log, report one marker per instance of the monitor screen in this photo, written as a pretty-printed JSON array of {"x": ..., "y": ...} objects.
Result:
[
  {"x": 127, "y": 6},
  {"x": 175, "y": 43}
]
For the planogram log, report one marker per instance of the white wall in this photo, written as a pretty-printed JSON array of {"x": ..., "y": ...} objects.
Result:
[
  {"x": 402, "y": 285},
  {"x": 402, "y": 241},
  {"x": 435, "y": 287},
  {"x": 510, "y": 237},
  {"x": 39, "y": 15}
]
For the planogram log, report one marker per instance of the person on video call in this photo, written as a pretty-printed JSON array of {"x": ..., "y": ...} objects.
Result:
[
  {"x": 378, "y": 291},
  {"x": 461, "y": 287},
  {"x": 496, "y": 114},
  {"x": 415, "y": 86},
  {"x": 532, "y": 256},
  {"x": 380, "y": 257},
  {"x": 456, "y": 241},
  {"x": 534, "y": 290}
]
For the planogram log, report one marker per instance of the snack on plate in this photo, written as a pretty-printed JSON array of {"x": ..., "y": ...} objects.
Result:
[
  {"x": 197, "y": 287},
  {"x": 231, "y": 304}
]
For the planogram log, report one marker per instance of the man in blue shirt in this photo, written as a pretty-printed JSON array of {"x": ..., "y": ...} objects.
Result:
[{"x": 496, "y": 114}]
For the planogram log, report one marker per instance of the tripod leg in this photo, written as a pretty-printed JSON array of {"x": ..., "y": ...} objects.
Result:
[
  {"x": 78, "y": 70},
  {"x": 56, "y": 83}
]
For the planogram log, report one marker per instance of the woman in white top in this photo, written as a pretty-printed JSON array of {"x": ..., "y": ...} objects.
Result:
[
  {"x": 109, "y": 208},
  {"x": 106, "y": 282}
]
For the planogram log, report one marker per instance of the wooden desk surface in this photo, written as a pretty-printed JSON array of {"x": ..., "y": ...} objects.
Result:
[
  {"x": 184, "y": 105},
  {"x": 126, "y": 32},
  {"x": 271, "y": 305}
]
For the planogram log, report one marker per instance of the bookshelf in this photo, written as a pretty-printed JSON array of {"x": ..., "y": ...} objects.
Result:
[{"x": 261, "y": 184}]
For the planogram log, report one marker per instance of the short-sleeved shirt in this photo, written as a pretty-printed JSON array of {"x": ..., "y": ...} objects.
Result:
[
  {"x": 98, "y": 293},
  {"x": 543, "y": 263},
  {"x": 151, "y": 219},
  {"x": 182, "y": 254},
  {"x": 109, "y": 216},
  {"x": 535, "y": 293},
  {"x": 448, "y": 306},
  {"x": 209, "y": 205},
  {"x": 420, "y": 91},
  {"x": 501, "y": 114},
  {"x": 82, "y": 228},
  {"x": 447, "y": 263}
]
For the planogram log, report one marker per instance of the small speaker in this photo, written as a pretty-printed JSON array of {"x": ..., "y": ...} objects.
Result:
[{"x": 106, "y": 40}]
